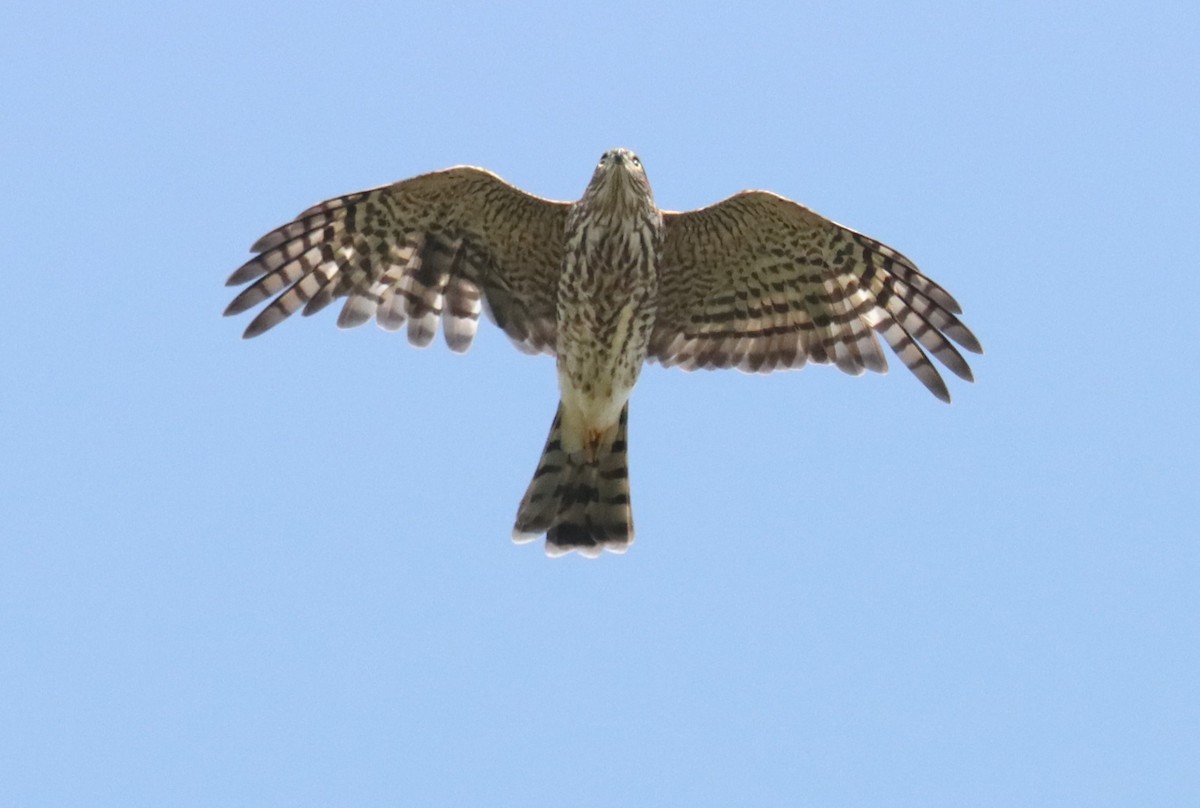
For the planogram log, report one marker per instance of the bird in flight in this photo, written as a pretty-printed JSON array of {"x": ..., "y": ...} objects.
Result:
[{"x": 756, "y": 282}]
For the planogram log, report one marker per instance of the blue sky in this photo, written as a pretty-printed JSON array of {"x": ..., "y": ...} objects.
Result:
[{"x": 278, "y": 572}]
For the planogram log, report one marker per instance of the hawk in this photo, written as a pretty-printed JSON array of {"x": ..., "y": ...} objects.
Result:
[{"x": 757, "y": 282}]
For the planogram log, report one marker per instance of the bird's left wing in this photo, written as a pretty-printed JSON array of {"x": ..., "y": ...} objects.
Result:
[
  {"x": 759, "y": 282},
  {"x": 437, "y": 245}
]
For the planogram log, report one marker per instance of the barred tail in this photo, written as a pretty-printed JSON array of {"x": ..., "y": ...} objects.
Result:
[{"x": 579, "y": 505}]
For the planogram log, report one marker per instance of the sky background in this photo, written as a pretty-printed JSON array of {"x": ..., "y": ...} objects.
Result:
[{"x": 278, "y": 572}]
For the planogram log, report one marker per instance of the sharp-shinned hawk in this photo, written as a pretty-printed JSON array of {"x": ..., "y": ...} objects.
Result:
[{"x": 756, "y": 282}]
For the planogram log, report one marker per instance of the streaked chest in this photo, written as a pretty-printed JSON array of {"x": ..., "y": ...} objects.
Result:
[{"x": 610, "y": 261}]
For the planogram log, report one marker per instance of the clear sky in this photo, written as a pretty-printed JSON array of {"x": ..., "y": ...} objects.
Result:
[{"x": 278, "y": 572}]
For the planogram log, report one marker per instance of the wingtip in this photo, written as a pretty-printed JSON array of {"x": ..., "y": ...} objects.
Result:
[
  {"x": 966, "y": 339},
  {"x": 256, "y": 327},
  {"x": 245, "y": 273},
  {"x": 940, "y": 391}
]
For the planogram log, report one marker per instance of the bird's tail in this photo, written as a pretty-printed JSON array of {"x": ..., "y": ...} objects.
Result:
[{"x": 580, "y": 504}]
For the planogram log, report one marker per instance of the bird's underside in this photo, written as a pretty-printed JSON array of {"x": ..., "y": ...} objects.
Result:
[{"x": 756, "y": 282}]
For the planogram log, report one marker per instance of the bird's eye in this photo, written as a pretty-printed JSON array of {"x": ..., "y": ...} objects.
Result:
[{"x": 636, "y": 161}]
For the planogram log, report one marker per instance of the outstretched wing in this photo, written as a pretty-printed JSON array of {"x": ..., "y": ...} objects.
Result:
[
  {"x": 759, "y": 282},
  {"x": 443, "y": 245}
]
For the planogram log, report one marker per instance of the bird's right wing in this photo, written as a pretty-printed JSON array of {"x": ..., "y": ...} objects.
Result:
[{"x": 437, "y": 245}]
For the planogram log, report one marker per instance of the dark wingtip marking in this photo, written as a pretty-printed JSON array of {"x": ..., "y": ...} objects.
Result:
[
  {"x": 264, "y": 322},
  {"x": 245, "y": 301},
  {"x": 245, "y": 273},
  {"x": 963, "y": 336},
  {"x": 272, "y": 239}
]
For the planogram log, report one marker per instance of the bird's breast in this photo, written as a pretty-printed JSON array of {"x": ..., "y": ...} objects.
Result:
[{"x": 605, "y": 312}]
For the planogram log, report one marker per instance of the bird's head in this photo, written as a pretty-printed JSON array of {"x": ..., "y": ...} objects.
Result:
[{"x": 620, "y": 182}]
